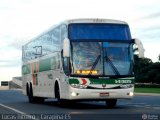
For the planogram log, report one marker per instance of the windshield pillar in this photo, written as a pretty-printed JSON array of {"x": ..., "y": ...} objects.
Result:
[{"x": 65, "y": 64}]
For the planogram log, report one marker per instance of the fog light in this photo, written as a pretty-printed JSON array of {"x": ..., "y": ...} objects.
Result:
[
  {"x": 130, "y": 94},
  {"x": 74, "y": 94}
]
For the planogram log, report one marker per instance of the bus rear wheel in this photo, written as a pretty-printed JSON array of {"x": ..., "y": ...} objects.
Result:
[
  {"x": 111, "y": 103},
  {"x": 33, "y": 99}
]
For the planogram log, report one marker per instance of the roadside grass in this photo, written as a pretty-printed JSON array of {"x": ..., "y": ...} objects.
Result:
[{"x": 147, "y": 90}]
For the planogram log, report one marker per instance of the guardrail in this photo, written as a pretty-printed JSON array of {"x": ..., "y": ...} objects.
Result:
[{"x": 17, "y": 81}]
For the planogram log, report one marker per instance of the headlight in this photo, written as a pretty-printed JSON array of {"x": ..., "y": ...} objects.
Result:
[
  {"x": 130, "y": 93},
  {"x": 73, "y": 94},
  {"x": 79, "y": 86}
]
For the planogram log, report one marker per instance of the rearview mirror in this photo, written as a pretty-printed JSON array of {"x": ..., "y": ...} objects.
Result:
[
  {"x": 140, "y": 48},
  {"x": 66, "y": 48}
]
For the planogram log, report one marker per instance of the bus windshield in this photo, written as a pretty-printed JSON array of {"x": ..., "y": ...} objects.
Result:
[
  {"x": 101, "y": 58},
  {"x": 100, "y": 49}
]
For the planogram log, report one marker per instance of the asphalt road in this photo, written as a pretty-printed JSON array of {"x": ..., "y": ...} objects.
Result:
[{"x": 14, "y": 105}]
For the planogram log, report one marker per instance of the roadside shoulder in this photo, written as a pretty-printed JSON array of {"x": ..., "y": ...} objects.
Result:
[{"x": 148, "y": 94}]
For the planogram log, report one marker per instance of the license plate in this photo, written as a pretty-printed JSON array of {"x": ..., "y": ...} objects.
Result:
[{"x": 104, "y": 94}]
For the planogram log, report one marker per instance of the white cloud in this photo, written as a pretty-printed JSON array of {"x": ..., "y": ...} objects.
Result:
[
  {"x": 8, "y": 73},
  {"x": 152, "y": 50}
]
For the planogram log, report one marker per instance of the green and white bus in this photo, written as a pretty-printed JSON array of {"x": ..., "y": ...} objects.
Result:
[{"x": 80, "y": 59}]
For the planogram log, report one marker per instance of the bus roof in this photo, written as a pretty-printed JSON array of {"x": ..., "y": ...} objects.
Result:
[{"x": 95, "y": 21}]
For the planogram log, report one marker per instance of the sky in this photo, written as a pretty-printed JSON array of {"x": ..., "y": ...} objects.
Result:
[{"x": 22, "y": 20}]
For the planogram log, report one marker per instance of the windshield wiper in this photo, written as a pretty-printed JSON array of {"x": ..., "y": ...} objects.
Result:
[
  {"x": 112, "y": 65},
  {"x": 95, "y": 63}
]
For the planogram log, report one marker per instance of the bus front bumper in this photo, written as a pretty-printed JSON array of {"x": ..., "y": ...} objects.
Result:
[{"x": 100, "y": 94}]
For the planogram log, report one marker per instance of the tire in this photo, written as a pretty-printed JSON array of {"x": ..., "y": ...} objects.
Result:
[
  {"x": 33, "y": 99},
  {"x": 39, "y": 99},
  {"x": 57, "y": 93},
  {"x": 60, "y": 102},
  {"x": 111, "y": 103},
  {"x": 27, "y": 90}
]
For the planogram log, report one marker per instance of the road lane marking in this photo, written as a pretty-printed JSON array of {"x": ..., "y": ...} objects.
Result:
[
  {"x": 147, "y": 106},
  {"x": 17, "y": 111},
  {"x": 157, "y": 108},
  {"x": 13, "y": 109}
]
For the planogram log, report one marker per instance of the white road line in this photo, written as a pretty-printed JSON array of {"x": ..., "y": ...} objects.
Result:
[
  {"x": 157, "y": 108},
  {"x": 13, "y": 109},
  {"x": 148, "y": 107},
  {"x": 17, "y": 111}
]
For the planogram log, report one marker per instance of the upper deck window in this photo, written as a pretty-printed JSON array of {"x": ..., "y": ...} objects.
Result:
[{"x": 101, "y": 31}]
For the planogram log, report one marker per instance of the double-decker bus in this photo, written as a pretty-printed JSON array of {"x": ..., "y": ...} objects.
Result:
[{"x": 80, "y": 59}]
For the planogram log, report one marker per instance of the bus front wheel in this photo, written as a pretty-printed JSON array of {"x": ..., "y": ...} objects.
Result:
[
  {"x": 111, "y": 103},
  {"x": 57, "y": 95}
]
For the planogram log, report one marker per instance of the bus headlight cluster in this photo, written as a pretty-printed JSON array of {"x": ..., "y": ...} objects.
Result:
[
  {"x": 79, "y": 86},
  {"x": 74, "y": 94},
  {"x": 130, "y": 94}
]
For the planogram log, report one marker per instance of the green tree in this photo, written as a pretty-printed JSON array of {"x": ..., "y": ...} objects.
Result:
[
  {"x": 146, "y": 71},
  {"x": 140, "y": 69},
  {"x": 153, "y": 72}
]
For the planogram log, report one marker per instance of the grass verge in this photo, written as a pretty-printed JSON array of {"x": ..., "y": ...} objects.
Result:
[{"x": 147, "y": 90}]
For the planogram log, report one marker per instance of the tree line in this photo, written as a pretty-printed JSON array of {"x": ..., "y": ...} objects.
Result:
[{"x": 147, "y": 71}]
